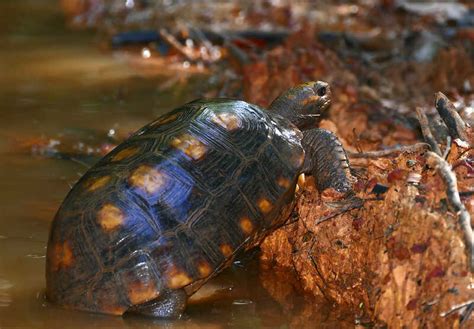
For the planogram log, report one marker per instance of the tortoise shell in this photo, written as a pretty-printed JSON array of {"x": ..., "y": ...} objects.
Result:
[{"x": 171, "y": 206}]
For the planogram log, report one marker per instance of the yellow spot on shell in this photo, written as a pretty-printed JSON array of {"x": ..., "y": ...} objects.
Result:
[
  {"x": 204, "y": 268},
  {"x": 125, "y": 153},
  {"x": 110, "y": 217},
  {"x": 246, "y": 225},
  {"x": 62, "y": 256},
  {"x": 190, "y": 145},
  {"x": 96, "y": 183},
  {"x": 284, "y": 182},
  {"x": 264, "y": 205},
  {"x": 148, "y": 179},
  {"x": 140, "y": 292},
  {"x": 226, "y": 250},
  {"x": 177, "y": 278},
  {"x": 228, "y": 121}
]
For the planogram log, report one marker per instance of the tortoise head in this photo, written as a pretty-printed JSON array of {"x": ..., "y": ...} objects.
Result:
[{"x": 304, "y": 104}]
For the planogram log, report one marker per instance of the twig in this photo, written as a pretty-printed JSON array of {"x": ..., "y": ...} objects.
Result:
[
  {"x": 389, "y": 152},
  {"x": 426, "y": 131},
  {"x": 466, "y": 313},
  {"x": 465, "y": 151},
  {"x": 202, "y": 38},
  {"x": 452, "y": 119},
  {"x": 356, "y": 141},
  {"x": 448, "y": 148},
  {"x": 236, "y": 52},
  {"x": 199, "y": 34},
  {"x": 318, "y": 272},
  {"x": 457, "y": 308},
  {"x": 449, "y": 178},
  {"x": 228, "y": 42},
  {"x": 355, "y": 203},
  {"x": 171, "y": 40},
  {"x": 466, "y": 193},
  {"x": 82, "y": 163}
]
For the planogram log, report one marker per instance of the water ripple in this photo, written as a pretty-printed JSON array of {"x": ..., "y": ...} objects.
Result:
[
  {"x": 5, "y": 298},
  {"x": 35, "y": 256}
]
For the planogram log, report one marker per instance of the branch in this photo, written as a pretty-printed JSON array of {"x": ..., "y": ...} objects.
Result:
[
  {"x": 458, "y": 307},
  {"x": 456, "y": 126},
  {"x": 171, "y": 40},
  {"x": 388, "y": 152},
  {"x": 426, "y": 131},
  {"x": 449, "y": 178}
]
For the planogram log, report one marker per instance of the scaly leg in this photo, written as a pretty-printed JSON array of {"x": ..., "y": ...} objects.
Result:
[
  {"x": 326, "y": 161},
  {"x": 170, "y": 304}
]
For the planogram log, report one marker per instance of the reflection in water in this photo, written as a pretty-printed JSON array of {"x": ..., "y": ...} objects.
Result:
[
  {"x": 36, "y": 256},
  {"x": 5, "y": 298}
]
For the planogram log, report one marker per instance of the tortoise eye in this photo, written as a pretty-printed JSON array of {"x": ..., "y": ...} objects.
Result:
[{"x": 322, "y": 91}]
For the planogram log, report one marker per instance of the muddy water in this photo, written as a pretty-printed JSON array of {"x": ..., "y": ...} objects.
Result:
[{"x": 55, "y": 83}]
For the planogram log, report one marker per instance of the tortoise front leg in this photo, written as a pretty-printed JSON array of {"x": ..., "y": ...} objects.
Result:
[{"x": 326, "y": 161}]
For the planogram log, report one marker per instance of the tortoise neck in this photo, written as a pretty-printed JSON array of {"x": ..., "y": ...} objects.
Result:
[{"x": 284, "y": 106}]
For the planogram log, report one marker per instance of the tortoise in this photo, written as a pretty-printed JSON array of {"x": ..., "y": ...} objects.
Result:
[{"x": 170, "y": 207}]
